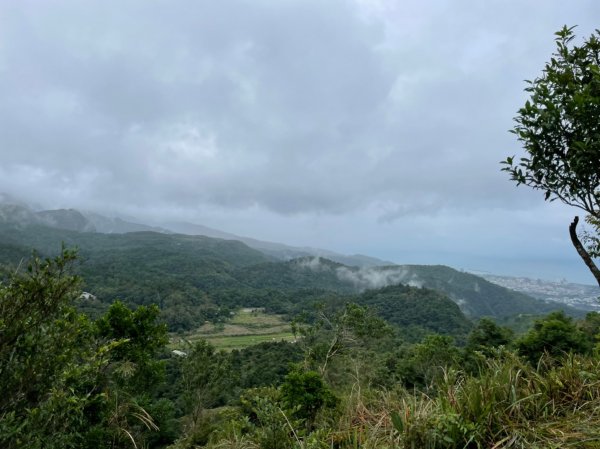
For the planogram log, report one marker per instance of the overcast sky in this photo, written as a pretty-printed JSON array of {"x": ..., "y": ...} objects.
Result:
[{"x": 360, "y": 126}]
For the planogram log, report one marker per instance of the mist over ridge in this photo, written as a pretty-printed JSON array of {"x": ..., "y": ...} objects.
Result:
[{"x": 363, "y": 127}]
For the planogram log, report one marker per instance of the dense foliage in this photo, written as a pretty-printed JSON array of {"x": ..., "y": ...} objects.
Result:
[
  {"x": 194, "y": 279},
  {"x": 410, "y": 308},
  {"x": 477, "y": 296},
  {"x": 355, "y": 377},
  {"x": 67, "y": 381},
  {"x": 392, "y": 367}
]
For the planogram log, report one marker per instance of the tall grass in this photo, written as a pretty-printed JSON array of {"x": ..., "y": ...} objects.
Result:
[{"x": 508, "y": 404}]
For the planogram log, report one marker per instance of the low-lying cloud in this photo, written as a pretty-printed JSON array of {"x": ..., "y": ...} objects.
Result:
[
  {"x": 365, "y": 278},
  {"x": 373, "y": 278}
]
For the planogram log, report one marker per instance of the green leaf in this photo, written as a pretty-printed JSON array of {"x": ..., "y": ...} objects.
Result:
[{"x": 397, "y": 422}]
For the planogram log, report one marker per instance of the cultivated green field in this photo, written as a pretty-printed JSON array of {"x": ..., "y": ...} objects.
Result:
[{"x": 245, "y": 328}]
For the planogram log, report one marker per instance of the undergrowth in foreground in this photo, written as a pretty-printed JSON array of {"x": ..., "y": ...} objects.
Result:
[{"x": 508, "y": 404}]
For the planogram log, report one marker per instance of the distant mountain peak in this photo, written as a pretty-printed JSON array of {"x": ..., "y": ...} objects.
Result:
[
  {"x": 69, "y": 219},
  {"x": 16, "y": 215},
  {"x": 118, "y": 225},
  {"x": 21, "y": 215},
  {"x": 278, "y": 250}
]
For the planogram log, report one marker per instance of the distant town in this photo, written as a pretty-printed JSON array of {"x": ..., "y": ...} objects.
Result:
[{"x": 584, "y": 297}]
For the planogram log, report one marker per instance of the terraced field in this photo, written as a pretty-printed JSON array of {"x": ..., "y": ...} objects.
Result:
[{"x": 247, "y": 327}]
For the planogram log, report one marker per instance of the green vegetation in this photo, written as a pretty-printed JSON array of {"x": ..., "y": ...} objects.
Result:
[
  {"x": 305, "y": 393},
  {"x": 476, "y": 296},
  {"x": 554, "y": 335},
  {"x": 417, "y": 312},
  {"x": 368, "y": 370},
  {"x": 107, "y": 377},
  {"x": 488, "y": 335},
  {"x": 243, "y": 341},
  {"x": 101, "y": 372},
  {"x": 69, "y": 382},
  {"x": 509, "y": 404},
  {"x": 393, "y": 367},
  {"x": 197, "y": 279},
  {"x": 505, "y": 401},
  {"x": 246, "y": 327}
]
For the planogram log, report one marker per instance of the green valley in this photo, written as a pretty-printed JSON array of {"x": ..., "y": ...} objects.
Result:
[
  {"x": 246, "y": 327},
  {"x": 207, "y": 341}
]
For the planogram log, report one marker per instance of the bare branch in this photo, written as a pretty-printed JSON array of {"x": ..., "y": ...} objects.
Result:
[{"x": 582, "y": 251}]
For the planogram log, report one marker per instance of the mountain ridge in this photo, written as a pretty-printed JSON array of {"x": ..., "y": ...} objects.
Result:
[
  {"x": 14, "y": 211},
  {"x": 206, "y": 263},
  {"x": 278, "y": 250}
]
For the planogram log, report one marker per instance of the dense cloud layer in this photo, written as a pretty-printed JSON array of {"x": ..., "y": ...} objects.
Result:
[{"x": 225, "y": 111}]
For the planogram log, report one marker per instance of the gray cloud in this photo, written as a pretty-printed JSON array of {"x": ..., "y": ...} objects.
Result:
[
  {"x": 369, "y": 278},
  {"x": 366, "y": 278},
  {"x": 302, "y": 108}
]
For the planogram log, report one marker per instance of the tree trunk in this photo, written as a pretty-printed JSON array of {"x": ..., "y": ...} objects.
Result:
[{"x": 581, "y": 250}]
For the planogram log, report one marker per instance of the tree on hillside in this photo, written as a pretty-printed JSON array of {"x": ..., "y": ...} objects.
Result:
[
  {"x": 559, "y": 127},
  {"x": 65, "y": 381},
  {"x": 555, "y": 334},
  {"x": 207, "y": 378},
  {"x": 488, "y": 335},
  {"x": 337, "y": 333},
  {"x": 306, "y": 393},
  {"x": 135, "y": 361}
]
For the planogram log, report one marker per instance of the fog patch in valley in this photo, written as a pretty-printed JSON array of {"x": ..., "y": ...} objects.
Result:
[
  {"x": 377, "y": 277},
  {"x": 365, "y": 278},
  {"x": 312, "y": 263}
]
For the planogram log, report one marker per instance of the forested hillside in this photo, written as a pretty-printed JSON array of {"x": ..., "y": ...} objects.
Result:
[
  {"x": 378, "y": 329},
  {"x": 292, "y": 130},
  {"x": 195, "y": 278},
  {"x": 394, "y": 367},
  {"x": 476, "y": 296}
]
